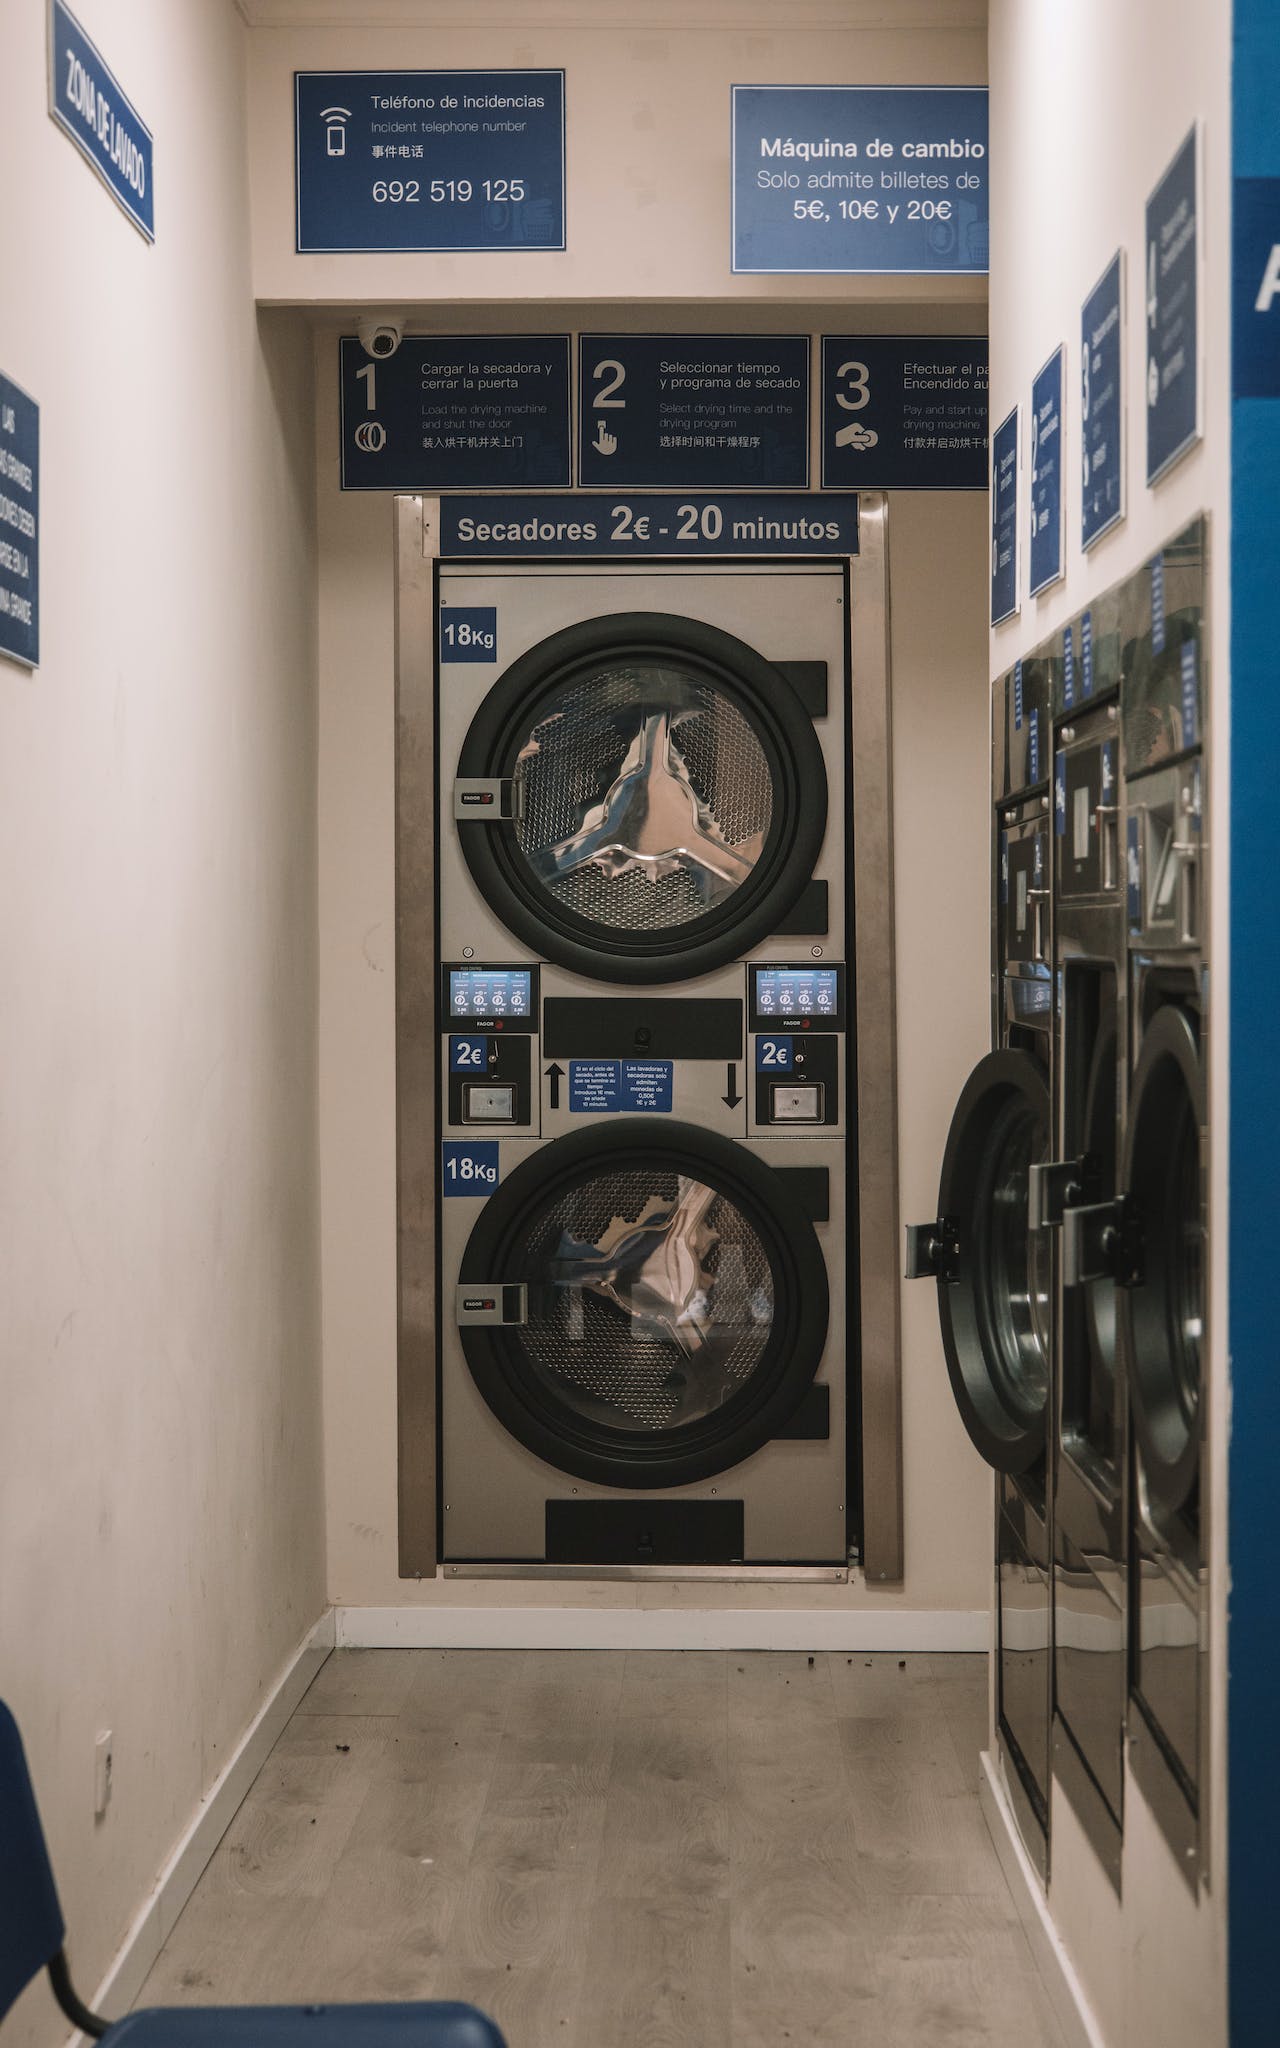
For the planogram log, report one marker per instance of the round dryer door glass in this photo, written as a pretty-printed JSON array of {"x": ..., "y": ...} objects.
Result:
[
  {"x": 1162, "y": 1180},
  {"x": 994, "y": 1297},
  {"x": 675, "y": 1303},
  {"x": 664, "y": 797}
]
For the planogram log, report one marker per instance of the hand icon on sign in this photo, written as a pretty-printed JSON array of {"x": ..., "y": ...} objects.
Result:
[{"x": 605, "y": 443}]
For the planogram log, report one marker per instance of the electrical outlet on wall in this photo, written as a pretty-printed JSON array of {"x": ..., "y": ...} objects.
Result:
[{"x": 102, "y": 1767}]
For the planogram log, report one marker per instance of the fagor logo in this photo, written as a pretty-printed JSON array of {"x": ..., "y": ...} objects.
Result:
[{"x": 335, "y": 130}]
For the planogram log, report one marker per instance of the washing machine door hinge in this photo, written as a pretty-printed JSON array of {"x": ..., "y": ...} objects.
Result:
[
  {"x": 483, "y": 798},
  {"x": 1102, "y": 1241},
  {"x": 497, "y": 1302},
  {"x": 933, "y": 1250},
  {"x": 1056, "y": 1185}
]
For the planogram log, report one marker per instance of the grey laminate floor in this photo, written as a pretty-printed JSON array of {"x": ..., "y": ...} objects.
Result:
[{"x": 627, "y": 1850}]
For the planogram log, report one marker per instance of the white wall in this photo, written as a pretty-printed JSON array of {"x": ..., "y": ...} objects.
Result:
[
  {"x": 648, "y": 138},
  {"x": 1089, "y": 101},
  {"x": 161, "y": 1527}
]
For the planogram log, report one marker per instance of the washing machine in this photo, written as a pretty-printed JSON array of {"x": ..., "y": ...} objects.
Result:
[
  {"x": 1076, "y": 1193},
  {"x": 993, "y": 1270},
  {"x": 647, "y": 1238},
  {"x": 1163, "y": 1218}
]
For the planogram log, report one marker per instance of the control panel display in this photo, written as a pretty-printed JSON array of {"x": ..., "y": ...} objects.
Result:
[
  {"x": 479, "y": 992},
  {"x": 807, "y": 994}
]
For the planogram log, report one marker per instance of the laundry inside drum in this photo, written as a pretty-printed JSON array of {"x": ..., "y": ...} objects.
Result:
[
  {"x": 646, "y": 797},
  {"x": 652, "y": 1301}
]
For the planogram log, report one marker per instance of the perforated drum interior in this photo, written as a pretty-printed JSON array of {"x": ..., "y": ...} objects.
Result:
[{"x": 668, "y": 797}]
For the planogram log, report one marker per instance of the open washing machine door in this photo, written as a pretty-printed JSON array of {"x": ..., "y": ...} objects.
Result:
[
  {"x": 643, "y": 1303},
  {"x": 992, "y": 1268},
  {"x": 1162, "y": 1301},
  {"x": 641, "y": 797}
]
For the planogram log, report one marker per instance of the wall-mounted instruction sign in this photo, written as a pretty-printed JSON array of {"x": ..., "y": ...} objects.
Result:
[
  {"x": 89, "y": 106},
  {"x": 904, "y": 412},
  {"x": 693, "y": 411},
  {"x": 456, "y": 412},
  {"x": 1004, "y": 519},
  {"x": 429, "y": 160},
  {"x": 19, "y": 524},
  {"x": 1102, "y": 404},
  {"x": 860, "y": 178},
  {"x": 1044, "y": 493},
  {"x": 1172, "y": 286},
  {"x": 630, "y": 528}
]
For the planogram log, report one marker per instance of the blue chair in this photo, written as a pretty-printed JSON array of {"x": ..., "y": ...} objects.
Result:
[{"x": 32, "y": 1932}]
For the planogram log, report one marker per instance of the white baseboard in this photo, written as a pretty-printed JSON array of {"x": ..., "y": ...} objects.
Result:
[
  {"x": 441, "y": 1627},
  {"x": 176, "y": 1882},
  {"x": 1062, "y": 1981}
]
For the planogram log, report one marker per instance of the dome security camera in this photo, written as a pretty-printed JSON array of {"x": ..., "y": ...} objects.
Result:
[{"x": 381, "y": 334}]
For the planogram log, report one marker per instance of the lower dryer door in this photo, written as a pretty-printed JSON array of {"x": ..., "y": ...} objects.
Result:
[
  {"x": 663, "y": 1300},
  {"x": 1163, "y": 1306},
  {"x": 992, "y": 1269}
]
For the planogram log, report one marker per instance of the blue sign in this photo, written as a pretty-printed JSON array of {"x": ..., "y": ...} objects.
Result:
[
  {"x": 1255, "y": 288},
  {"x": 1086, "y": 655},
  {"x": 90, "y": 107},
  {"x": 904, "y": 412},
  {"x": 1017, "y": 696},
  {"x": 594, "y": 1086},
  {"x": 860, "y": 178},
  {"x": 19, "y": 524},
  {"x": 468, "y": 632},
  {"x": 1187, "y": 655},
  {"x": 1101, "y": 404},
  {"x": 429, "y": 160},
  {"x": 1157, "y": 604},
  {"x": 599, "y": 1087},
  {"x": 1173, "y": 370},
  {"x": 1004, "y": 519},
  {"x": 631, "y": 528},
  {"x": 1044, "y": 498},
  {"x": 468, "y": 1055},
  {"x": 472, "y": 412},
  {"x": 1068, "y": 670},
  {"x": 1033, "y": 757},
  {"x": 646, "y": 1087},
  {"x": 696, "y": 411},
  {"x": 469, "y": 1166},
  {"x": 774, "y": 1055}
]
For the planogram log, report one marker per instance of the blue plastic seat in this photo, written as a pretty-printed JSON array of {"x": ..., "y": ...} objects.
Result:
[{"x": 32, "y": 1934}]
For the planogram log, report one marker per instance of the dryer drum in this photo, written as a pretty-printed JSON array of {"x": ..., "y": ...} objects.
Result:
[
  {"x": 1162, "y": 1181},
  {"x": 994, "y": 1306},
  {"x": 1100, "y": 1294},
  {"x": 670, "y": 797},
  {"x": 677, "y": 1303}
]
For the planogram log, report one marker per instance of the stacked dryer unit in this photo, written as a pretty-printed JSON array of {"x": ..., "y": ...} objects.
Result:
[
  {"x": 1075, "y": 1192},
  {"x": 993, "y": 1271},
  {"x": 1162, "y": 1223},
  {"x": 646, "y": 1246}
]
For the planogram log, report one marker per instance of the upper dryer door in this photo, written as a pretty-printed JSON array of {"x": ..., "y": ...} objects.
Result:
[
  {"x": 992, "y": 1268},
  {"x": 641, "y": 797}
]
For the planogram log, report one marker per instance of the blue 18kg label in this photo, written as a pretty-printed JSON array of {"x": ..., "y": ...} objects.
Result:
[
  {"x": 1086, "y": 655},
  {"x": 468, "y": 633},
  {"x": 1068, "y": 670},
  {"x": 469, "y": 1167}
]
